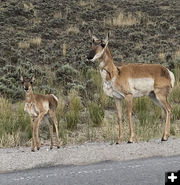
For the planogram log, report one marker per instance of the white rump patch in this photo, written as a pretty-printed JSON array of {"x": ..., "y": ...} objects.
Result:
[
  {"x": 141, "y": 86},
  {"x": 54, "y": 97},
  {"x": 172, "y": 77}
]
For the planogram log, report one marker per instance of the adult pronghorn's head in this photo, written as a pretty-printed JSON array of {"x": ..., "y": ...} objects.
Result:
[{"x": 98, "y": 47}]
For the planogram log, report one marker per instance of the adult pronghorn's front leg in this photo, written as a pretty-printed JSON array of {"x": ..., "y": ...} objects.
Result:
[
  {"x": 41, "y": 115},
  {"x": 129, "y": 100},
  {"x": 119, "y": 111}
]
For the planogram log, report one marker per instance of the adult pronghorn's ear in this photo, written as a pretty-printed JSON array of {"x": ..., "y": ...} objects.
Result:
[
  {"x": 94, "y": 38},
  {"x": 106, "y": 40}
]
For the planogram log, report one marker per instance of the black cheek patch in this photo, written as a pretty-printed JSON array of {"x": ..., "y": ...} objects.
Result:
[{"x": 91, "y": 55}]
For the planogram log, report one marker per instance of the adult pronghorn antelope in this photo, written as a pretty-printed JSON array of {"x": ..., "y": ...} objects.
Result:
[
  {"x": 40, "y": 107},
  {"x": 132, "y": 80}
]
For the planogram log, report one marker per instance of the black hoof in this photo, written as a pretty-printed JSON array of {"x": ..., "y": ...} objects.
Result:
[
  {"x": 32, "y": 150},
  {"x": 129, "y": 142},
  {"x": 58, "y": 147},
  {"x": 164, "y": 139}
]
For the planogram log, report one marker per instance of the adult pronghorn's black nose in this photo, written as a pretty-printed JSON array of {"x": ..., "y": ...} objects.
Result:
[{"x": 91, "y": 55}]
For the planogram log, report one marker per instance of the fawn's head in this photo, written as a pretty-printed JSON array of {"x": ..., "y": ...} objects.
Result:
[
  {"x": 27, "y": 83},
  {"x": 98, "y": 47}
]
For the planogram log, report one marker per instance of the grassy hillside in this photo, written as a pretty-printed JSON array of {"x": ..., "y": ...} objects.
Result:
[{"x": 51, "y": 36}]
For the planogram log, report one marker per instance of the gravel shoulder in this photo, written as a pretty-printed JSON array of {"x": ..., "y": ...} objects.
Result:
[{"x": 13, "y": 159}]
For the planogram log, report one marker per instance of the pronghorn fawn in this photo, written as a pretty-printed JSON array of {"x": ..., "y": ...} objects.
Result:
[
  {"x": 130, "y": 81},
  {"x": 40, "y": 107}
]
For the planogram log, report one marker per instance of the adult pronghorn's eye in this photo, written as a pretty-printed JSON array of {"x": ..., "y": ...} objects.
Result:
[{"x": 103, "y": 45}]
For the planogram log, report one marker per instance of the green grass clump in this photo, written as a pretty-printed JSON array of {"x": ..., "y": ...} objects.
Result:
[
  {"x": 73, "y": 115},
  {"x": 175, "y": 114},
  {"x": 14, "y": 124},
  {"x": 96, "y": 112},
  {"x": 66, "y": 74},
  {"x": 71, "y": 119}
]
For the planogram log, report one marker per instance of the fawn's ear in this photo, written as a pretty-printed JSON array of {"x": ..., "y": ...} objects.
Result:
[
  {"x": 34, "y": 76},
  {"x": 32, "y": 79},
  {"x": 20, "y": 76}
]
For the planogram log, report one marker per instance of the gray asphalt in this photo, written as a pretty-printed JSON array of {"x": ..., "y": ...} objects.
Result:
[{"x": 150, "y": 171}]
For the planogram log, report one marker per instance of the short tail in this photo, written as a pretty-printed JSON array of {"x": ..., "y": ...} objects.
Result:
[
  {"x": 55, "y": 97},
  {"x": 172, "y": 78}
]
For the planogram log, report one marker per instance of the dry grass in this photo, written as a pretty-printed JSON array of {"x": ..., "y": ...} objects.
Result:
[
  {"x": 73, "y": 30},
  {"x": 34, "y": 42},
  {"x": 177, "y": 54},
  {"x": 24, "y": 44},
  {"x": 123, "y": 19},
  {"x": 35, "y": 21},
  {"x": 161, "y": 56},
  {"x": 58, "y": 15},
  {"x": 64, "y": 49},
  {"x": 28, "y": 6},
  {"x": 89, "y": 4}
]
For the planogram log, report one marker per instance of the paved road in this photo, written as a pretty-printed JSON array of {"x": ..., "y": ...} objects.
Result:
[{"x": 149, "y": 171}]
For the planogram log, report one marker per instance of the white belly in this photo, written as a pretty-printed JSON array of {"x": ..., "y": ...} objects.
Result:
[{"x": 141, "y": 86}]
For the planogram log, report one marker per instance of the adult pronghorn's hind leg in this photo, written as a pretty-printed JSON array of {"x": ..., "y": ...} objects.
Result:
[
  {"x": 119, "y": 111},
  {"x": 159, "y": 96},
  {"x": 129, "y": 101}
]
